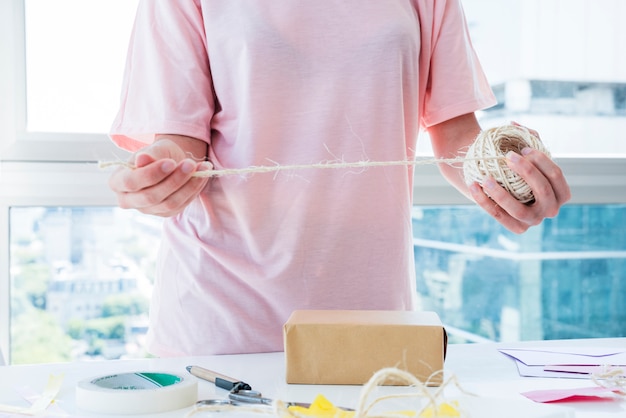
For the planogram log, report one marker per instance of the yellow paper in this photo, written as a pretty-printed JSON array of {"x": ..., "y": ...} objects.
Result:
[
  {"x": 322, "y": 407},
  {"x": 444, "y": 410},
  {"x": 49, "y": 393}
]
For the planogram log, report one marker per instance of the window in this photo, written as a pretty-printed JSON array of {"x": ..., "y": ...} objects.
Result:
[
  {"x": 81, "y": 279},
  {"x": 556, "y": 66},
  {"x": 75, "y": 52},
  {"x": 563, "y": 279},
  {"x": 59, "y": 87},
  {"x": 62, "y": 83}
]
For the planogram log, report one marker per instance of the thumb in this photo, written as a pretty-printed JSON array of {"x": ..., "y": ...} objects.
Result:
[
  {"x": 143, "y": 159},
  {"x": 154, "y": 152}
]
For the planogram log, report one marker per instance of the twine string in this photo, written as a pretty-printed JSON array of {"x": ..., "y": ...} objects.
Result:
[
  {"x": 499, "y": 141},
  {"x": 486, "y": 157},
  {"x": 365, "y": 404},
  {"x": 611, "y": 377},
  {"x": 260, "y": 169}
]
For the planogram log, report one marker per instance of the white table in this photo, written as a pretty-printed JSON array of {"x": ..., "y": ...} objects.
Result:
[{"x": 479, "y": 368}]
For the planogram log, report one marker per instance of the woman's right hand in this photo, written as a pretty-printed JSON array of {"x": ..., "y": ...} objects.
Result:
[{"x": 161, "y": 182}]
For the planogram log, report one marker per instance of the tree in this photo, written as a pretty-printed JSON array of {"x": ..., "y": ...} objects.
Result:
[
  {"x": 124, "y": 304},
  {"x": 36, "y": 337}
]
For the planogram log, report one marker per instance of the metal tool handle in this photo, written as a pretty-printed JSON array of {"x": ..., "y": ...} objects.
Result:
[{"x": 249, "y": 396}]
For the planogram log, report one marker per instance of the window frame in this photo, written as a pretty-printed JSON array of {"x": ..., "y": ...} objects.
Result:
[
  {"x": 58, "y": 169},
  {"x": 16, "y": 144}
]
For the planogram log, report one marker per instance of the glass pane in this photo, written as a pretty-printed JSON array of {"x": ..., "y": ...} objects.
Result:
[
  {"x": 556, "y": 66},
  {"x": 75, "y": 53},
  {"x": 81, "y": 278},
  {"x": 559, "y": 73},
  {"x": 563, "y": 279}
]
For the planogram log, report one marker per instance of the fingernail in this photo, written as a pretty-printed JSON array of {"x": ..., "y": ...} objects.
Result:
[
  {"x": 205, "y": 166},
  {"x": 188, "y": 166},
  {"x": 489, "y": 183},
  {"x": 474, "y": 188},
  {"x": 168, "y": 166},
  {"x": 512, "y": 156},
  {"x": 527, "y": 151}
]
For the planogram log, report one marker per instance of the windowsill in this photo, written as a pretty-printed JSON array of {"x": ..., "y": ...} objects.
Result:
[
  {"x": 55, "y": 148},
  {"x": 592, "y": 180}
]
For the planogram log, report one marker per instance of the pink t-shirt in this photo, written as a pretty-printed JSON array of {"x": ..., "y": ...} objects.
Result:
[{"x": 290, "y": 82}]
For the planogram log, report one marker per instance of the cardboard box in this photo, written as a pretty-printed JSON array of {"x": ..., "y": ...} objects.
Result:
[{"x": 348, "y": 347}]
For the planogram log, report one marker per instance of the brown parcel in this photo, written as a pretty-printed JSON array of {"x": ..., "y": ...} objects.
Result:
[{"x": 348, "y": 347}]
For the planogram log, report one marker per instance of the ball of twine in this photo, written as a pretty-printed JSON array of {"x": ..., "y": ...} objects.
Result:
[{"x": 497, "y": 142}]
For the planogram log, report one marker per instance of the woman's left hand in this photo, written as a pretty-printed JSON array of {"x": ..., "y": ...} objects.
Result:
[{"x": 545, "y": 178}]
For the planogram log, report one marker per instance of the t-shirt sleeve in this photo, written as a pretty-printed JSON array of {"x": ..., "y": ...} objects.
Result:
[
  {"x": 167, "y": 86},
  {"x": 452, "y": 81}
]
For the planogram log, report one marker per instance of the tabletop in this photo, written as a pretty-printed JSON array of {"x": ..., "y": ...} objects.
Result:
[{"x": 477, "y": 369}]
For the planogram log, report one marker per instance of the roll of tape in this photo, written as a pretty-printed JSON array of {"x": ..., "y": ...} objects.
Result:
[{"x": 136, "y": 393}]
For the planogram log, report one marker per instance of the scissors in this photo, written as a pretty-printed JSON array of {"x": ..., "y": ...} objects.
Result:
[
  {"x": 246, "y": 397},
  {"x": 240, "y": 393}
]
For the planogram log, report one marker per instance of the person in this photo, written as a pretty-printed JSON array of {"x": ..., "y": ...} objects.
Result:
[{"x": 239, "y": 83}]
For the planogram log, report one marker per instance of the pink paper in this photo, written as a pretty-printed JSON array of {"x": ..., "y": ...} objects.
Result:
[{"x": 556, "y": 395}]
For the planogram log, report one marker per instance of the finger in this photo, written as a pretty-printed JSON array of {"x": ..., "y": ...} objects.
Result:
[
  {"x": 508, "y": 202},
  {"x": 158, "y": 191},
  {"x": 143, "y": 159},
  {"x": 180, "y": 199},
  {"x": 551, "y": 171},
  {"x": 532, "y": 131},
  {"x": 546, "y": 202},
  {"x": 494, "y": 209},
  {"x": 127, "y": 180},
  {"x": 161, "y": 150},
  {"x": 171, "y": 192}
]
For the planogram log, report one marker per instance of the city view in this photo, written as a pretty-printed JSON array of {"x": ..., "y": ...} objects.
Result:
[
  {"x": 82, "y": 278},
  {"x": 563, "y": 279}
]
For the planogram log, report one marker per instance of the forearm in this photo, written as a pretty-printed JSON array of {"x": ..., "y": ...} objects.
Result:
[{"x": 451, "y": 139}]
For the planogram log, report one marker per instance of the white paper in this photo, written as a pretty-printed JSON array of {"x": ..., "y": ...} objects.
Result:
[
  {"x": 594, "y": 356},
  {"x": 509, "y": 408},
  {"x": 541, "y": 371},
  {"x": 564, "y": 362}
]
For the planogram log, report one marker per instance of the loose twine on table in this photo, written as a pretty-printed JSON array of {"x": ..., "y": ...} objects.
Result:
[
  {"x": 485, "y": 157},
  {"x": 611, "y": 377},
  {"x": 393, "y": 375},
  {"x": 365, "y": 406}
]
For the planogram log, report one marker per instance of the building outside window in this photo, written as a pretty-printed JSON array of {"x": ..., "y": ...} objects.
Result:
[
  {"x": 564, "y": 279},
  {"x": 81, "y": 279},
  {"x": 555, "y": 67}
]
